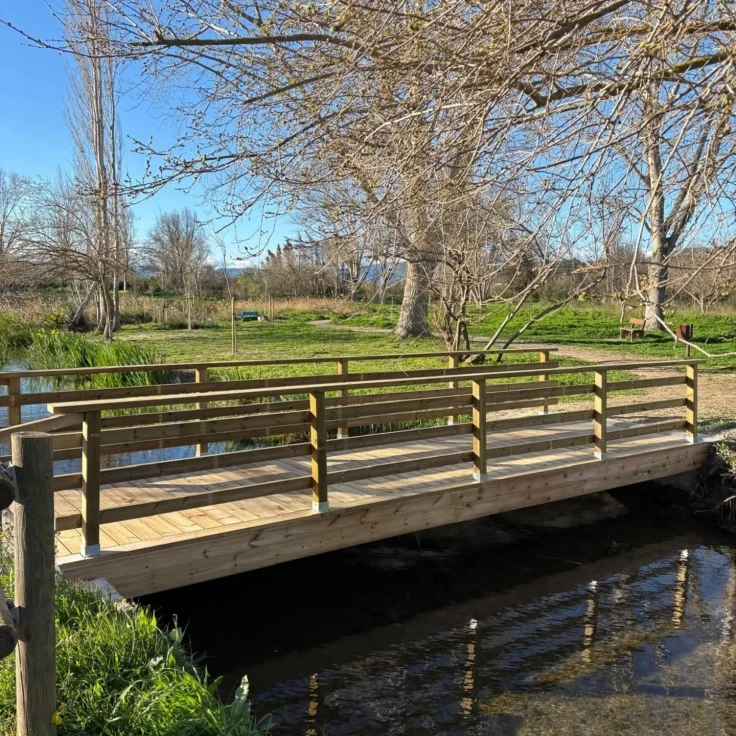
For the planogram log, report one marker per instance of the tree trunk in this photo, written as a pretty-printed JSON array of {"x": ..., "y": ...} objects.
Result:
[
  {"x": 78, "y": 319},
  {"x": 414, "y": 315},
  {"x": 654, "y": 307},
  {"x": 116, "y": 305},
  {"x": 108, "y": 315}
]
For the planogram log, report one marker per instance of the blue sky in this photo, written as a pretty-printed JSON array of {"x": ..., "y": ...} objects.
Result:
[{"x": 33, "y": 136}]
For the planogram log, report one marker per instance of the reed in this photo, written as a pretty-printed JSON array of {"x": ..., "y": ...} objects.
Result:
[{"x": 60, "y": 349}]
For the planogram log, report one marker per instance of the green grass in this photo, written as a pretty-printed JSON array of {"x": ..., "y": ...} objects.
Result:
[
  {"x": 119, "y": 674},
  {"x": 587, "y": 325},
  {"x": 281, "y": 339}
]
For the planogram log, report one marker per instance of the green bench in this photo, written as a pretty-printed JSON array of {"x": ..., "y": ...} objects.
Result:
[{"x": 248, "y": 316}]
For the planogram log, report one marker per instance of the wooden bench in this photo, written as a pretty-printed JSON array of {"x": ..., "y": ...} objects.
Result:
[
  {"x": 634, "y": 330},
  {"x": 249, "y": 316}
]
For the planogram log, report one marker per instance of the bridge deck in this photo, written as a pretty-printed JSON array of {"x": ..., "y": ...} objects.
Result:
[{"x": 173, "y": 549}]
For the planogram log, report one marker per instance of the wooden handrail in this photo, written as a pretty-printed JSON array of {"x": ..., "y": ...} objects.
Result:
[
  {"x": 151, "y": 367},
  {"x": 466, "y": 374},
  {"x": 47, "y": 424}
]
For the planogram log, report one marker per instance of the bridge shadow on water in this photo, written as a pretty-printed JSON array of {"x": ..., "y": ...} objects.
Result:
[{"x": 600, "y": 616}]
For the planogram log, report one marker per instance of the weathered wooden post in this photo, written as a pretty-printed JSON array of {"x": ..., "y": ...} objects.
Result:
[
  {"x": 201, "y": 376},
  {"x": 691, "y": 402},
  {"x": 8, "y": 634},
  {"x": 91, "y": 484},
  {"x": 318, "y": 438},
  {"x": 480, "y": 461},
  {"x": 35, "y": 666},
  {"x": 544, "y": 358},
  {"x": 600, "y": 399},
  {"x": 342, "y": 370},
  {"x": 453, "y": 363}
]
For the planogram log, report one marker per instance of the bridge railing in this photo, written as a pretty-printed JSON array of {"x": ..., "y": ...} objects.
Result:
[
  {"x": 319, "y": 409},
  {"x": 197, "y": 376}
]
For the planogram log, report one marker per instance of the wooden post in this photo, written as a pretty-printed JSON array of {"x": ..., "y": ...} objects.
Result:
[
  {"x": 342, "y": 370},
  {"x": 318, "y": 438},
  {"x": 544, "y": 358},
  {"x": 35, "y": 666},
  {"x": 8, "y": 633},
  {"x": 480, "y": 468},
  {"x": 600, "y": 399},
  {"x": 91, "y": 484},
  {"x": 453, "y": 363},
  {"x": 200, "y": 376},
  {"x": 233, "y": 330},
  {"x": 14, "y": 408},
  {"x": 691, "y": 402}
]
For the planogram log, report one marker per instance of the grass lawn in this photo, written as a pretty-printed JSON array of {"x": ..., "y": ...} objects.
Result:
[
  {"x": 593, "y": 326},
  {"x": 297, "y": 339}
]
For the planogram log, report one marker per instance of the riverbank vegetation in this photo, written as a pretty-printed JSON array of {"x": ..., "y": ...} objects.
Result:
[{"x": 119, "y": 674}]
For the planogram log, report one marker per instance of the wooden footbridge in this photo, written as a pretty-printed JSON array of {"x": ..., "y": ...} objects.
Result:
[{"x": 322, "y": 462}]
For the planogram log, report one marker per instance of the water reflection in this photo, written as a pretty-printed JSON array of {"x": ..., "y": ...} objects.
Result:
[
  {"x": 637, "y": 638},
  {"x": 527, "y": 669}
]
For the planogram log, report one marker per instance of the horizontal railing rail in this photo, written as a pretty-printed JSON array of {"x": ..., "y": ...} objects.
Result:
[
  {"x": 15, "y": 398},
  {"x": 477, "y": 393},
  {"x": 194, "y": 365}
]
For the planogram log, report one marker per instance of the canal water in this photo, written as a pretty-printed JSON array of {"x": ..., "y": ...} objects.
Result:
[{"x": 612, "y": 617}]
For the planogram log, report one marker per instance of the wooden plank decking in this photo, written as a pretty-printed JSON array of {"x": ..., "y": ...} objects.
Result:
[{"x": 162, "y": 551}]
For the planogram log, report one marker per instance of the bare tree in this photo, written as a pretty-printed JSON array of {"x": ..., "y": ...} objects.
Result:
[
  {"x": 93, "y": 123},
  {"x": 177, "y": 251},
  {"x": 65, "y": 241},
  {"x": 279, "y": 98},
  {"x": 16, "y": 216}
]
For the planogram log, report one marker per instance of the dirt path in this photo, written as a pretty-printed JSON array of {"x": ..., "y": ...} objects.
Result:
[{"x": 716, "y": 391}]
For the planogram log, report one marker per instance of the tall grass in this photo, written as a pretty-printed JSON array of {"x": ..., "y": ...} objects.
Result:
[
  {"x": 60, "y": 349},
  {"x": 119, "y": 674}
]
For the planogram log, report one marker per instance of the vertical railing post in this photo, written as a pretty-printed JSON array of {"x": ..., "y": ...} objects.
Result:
[
  {"x": 318, "y": 438},
  {"x": 342, "y": 370},
  {"x": 91, "y": 484},
  {"x": 691, "y": 402},
  {"x": 35, "y": 664},
  {"x": 200, "y": 376},
  {"x": 480, "y": 467},
  {"x": 544, "y": 358},
  {"x": 14, "y": 407},
  {"x": 453, "y": 363},
  {"x": 600, "y": 399}
]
